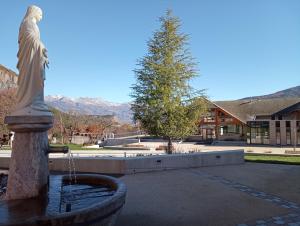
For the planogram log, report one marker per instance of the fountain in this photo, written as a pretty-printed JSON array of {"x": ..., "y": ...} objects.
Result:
[{"x": 33, "y": 196}]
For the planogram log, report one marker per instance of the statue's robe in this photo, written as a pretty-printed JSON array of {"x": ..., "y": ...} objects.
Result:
[{"x": 31, "y": 65}]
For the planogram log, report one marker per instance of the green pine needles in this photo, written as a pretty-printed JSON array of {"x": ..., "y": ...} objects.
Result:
[{"x": 164, "y": 102}]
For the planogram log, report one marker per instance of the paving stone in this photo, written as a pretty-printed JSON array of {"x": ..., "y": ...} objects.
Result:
[
  {"x": 279, "y": 222},
  {"x": 289, "y": 219},
  {"x": 292, "y": 203},
  {"x": 293, "y": 224}
]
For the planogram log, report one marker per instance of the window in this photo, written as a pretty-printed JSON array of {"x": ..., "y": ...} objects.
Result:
[
  {"x": 210, "y": 133},
  {"x": 221, "y": 114},
  {"x": 229, "y": 129},
  {"x": 278, "y": 139},
  {"x": 298, "y": 132},
  {"x": 279, "y": 117},
  {"x": 288, "y": 132},
  {"x": 259, "y": 132},
  {"x": 209, "y": 116},
  {"x": 277, "y": 124}
]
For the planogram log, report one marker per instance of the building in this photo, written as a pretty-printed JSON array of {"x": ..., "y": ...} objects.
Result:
[
  {"x": 8, "y": 78},
  {"x": 258, "y": 121}
]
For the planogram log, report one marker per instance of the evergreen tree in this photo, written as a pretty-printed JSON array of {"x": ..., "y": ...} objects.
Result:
[{"x": 164, "y": 102}]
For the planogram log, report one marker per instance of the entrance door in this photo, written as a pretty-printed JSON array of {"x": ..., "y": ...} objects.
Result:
[{"x": 209, "y": 134}]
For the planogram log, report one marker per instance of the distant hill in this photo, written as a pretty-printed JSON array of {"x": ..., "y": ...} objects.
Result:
[
  {"x": 91, "y": 106},
  {"x": 293, "y": 92},
  {"x": 98, "y": 106},
  {"x": 8, "y": 78},
  {"x": 82, "y": 105}
]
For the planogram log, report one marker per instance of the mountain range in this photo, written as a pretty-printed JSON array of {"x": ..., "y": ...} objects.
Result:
[
  {"x": 293, "y": 92},
  {"x": 98, "y": 106},
  {"x": 91, "y": 106}
]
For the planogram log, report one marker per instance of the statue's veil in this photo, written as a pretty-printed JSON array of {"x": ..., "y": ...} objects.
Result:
[
  {"x": 31, "y": 12},
  {"x": 31, "y": 66}
]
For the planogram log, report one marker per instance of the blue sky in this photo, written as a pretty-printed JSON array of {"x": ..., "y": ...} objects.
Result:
[{"x": 243, "y": 47}]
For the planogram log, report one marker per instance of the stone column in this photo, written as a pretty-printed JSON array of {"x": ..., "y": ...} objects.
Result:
[
  {"x": 28, "y": 169},
  {"x": 272, "y": 132},
  {"x": 293, "y": 132},
  {"x": 283, "y": 132}
]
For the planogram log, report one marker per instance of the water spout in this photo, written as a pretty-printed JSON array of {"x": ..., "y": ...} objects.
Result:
[{"x": 59, "y": 149}]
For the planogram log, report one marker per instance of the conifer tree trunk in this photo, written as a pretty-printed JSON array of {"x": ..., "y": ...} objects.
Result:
[{"x": 170, "y": 146}]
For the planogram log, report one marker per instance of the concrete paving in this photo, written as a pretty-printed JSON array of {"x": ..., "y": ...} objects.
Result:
[
  {"x": 248, "y": 194},
  {"x": 184, "y": 147},
  {"x": 192, "y": 146}
]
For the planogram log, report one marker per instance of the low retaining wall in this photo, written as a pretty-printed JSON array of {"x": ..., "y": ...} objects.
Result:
[
  {"x": 194, "y": 138},
  {"x": 80, "y": 140},
  {"x": 143, "y": 164},
  {"x": 181, "y": 161},
  {"x": 119, "y": 141}
]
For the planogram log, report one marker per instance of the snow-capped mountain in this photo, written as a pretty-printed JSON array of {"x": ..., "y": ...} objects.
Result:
[{"x": 91, "y": 106}]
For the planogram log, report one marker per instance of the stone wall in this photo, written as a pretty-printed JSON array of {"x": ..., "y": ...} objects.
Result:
[
  {"x": 283, "y": 134},
  {"x": 80, "y": 140}
]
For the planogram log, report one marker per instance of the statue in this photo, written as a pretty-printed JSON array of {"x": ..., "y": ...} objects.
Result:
[
  {"x": 32, "y": 60},
  {"x": 31, "y": 118}
]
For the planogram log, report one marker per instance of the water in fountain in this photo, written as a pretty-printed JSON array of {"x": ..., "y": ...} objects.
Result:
[
  {"x": 72, "y": 168},
  {"x": 73, "y": 196},
  {"x": 3, "y": 183},
  {"x": 67, "y": 191},
  {"x": 62, "y": 197}
]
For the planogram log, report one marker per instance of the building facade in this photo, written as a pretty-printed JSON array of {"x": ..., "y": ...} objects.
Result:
[
  {"x": 8, "y": 78},
  {"x": 263, "y": 121}
]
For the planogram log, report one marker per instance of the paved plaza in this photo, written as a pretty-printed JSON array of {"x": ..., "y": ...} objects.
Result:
[
  {"x": 185, "y": 147},
  {"x": 223, "y": 146},
  {"x": 248, "y": 194}
]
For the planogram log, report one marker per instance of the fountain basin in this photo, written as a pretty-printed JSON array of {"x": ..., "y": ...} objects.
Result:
[{"x": 89, "y": 208}]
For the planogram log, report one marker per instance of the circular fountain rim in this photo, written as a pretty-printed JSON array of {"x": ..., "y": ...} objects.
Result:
[
  {"x": 89, "y": 215},
  {"x": 121, "y": 189}
]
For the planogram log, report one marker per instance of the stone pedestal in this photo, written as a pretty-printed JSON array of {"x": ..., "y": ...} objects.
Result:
[{"x": 28, "y": 170}]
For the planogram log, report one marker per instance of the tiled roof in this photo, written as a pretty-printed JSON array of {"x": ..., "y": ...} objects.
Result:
[{"x": 246, "y": 110}]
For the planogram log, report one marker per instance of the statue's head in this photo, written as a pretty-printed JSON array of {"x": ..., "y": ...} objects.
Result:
[{"x": 34, "y": 12}]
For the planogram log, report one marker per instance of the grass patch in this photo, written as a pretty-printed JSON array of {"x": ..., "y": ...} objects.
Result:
[
  {"x": 74, "y": 146},
  {"x": 5, "y": 147},
  {"x": 273, "y": 159}
]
